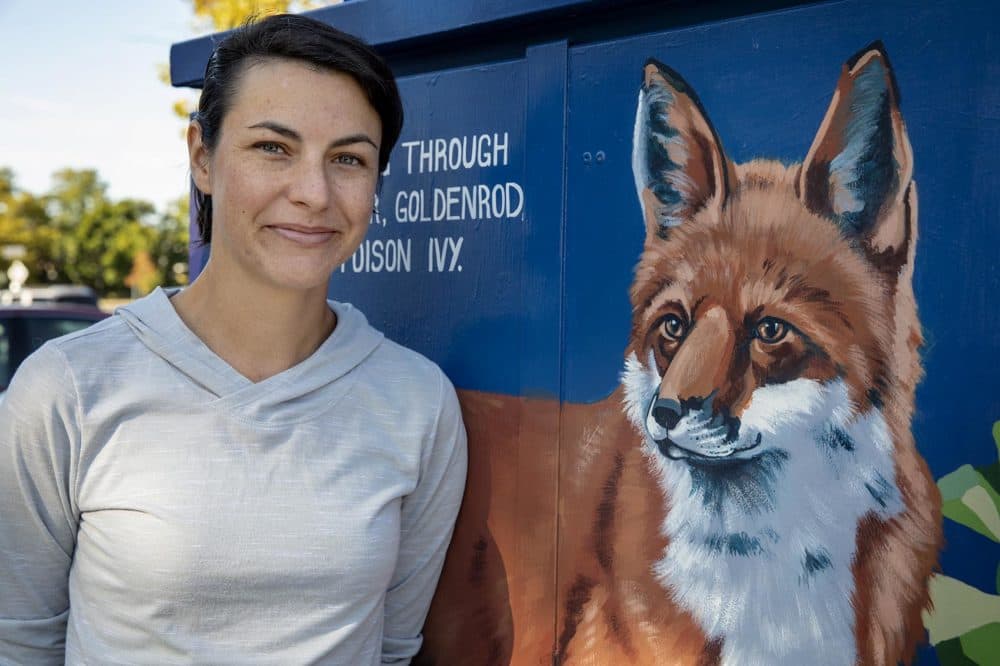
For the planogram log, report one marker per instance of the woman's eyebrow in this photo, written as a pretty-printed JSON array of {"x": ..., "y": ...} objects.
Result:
[
  {"x": 353, "y": 138},
  {"x": 277, "y": 128},
  {"x": 288, "y": 132}
]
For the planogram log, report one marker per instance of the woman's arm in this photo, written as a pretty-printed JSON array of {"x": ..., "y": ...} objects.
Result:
[
  {"x": 39, "y": 444},
  {"x": 427, "y": 521}
]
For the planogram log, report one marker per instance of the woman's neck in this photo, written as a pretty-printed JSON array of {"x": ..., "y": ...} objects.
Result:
[{"x": 259, "y": 330}]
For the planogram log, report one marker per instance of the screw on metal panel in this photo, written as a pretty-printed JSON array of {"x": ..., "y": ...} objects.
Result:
[
  {"x": 587, "y": 158},
  {"x": 600, "y": 156}
]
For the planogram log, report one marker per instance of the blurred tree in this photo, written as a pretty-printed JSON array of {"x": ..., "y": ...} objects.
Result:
[
  {"x": 75, "y": 233},
  {"x": 6, "y": 183},
  {"x": 99, "y": 238},
  {"x": 143, "y": 277},
  {"x": 25, "y": 225},
  {"x": 170, "y": 244},
  {"x": 14, "y": 231},
  {"x": 73, "y": 193}
]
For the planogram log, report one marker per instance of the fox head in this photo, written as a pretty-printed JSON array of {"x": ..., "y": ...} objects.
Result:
[{"x": 772, "y": 305}]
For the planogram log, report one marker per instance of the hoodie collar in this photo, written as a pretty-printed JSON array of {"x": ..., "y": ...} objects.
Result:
[{"x": 157, "y": 325}]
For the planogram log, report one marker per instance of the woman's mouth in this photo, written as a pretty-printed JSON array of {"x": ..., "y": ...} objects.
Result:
[{"x": 309, "y": 236}]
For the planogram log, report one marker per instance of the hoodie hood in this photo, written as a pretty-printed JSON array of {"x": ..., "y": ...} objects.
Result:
[{"x": 286, "y": 397}]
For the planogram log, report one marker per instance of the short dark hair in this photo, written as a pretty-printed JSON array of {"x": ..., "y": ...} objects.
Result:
[{"x": 299, "y": 38}]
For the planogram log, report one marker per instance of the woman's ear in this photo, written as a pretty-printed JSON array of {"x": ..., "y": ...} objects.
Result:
[{"x": 198, "y": 158}]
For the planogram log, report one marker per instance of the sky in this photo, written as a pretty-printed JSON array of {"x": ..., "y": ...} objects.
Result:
[{"x": 79, "y": 88}]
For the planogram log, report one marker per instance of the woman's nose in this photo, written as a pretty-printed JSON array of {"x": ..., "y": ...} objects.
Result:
[{"x": 310, "y": 186}]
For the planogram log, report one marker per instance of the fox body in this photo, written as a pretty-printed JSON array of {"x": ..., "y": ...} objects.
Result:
[{"x": 768, "y": 391}]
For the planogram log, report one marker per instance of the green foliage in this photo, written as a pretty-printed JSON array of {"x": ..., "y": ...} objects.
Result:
[
  {"x": 75, "y": 233},
  {"x": 950, "y": 653},
  {"x": 969, "y": 499},
  {"x": 965, "y": 623},
  {"x": 982, "y": 645}
]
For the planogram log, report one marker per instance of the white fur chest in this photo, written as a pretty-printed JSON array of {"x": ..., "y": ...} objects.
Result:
[{"x": 761, "y": 551}]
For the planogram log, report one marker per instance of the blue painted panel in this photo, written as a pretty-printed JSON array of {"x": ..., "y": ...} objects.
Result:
[
  {"x": 458, "y": 205},
  {"x": 541, "y": 286}
]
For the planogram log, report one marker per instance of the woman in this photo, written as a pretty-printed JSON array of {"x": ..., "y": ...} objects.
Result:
[{"x": 242, "y": 471}]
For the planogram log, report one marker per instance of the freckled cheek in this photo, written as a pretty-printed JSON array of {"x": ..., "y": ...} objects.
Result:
[{"x": 357, "y": 197}]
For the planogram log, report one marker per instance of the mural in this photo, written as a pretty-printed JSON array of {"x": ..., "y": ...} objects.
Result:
[{"x": 776, "y": 508}]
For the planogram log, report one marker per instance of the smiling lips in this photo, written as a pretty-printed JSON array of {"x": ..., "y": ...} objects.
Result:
[{"x": 310, "y": 236}]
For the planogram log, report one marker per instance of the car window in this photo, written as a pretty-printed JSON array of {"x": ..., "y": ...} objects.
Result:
[{"x": 39, "y": 330}]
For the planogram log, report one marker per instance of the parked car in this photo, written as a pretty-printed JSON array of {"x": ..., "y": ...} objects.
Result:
[{"x": 23, "y": 329}]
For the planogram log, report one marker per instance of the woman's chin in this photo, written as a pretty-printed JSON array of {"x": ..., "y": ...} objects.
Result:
[{"x": 296, "y": 274}]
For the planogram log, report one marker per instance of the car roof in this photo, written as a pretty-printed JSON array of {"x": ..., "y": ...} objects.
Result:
[
  {"x": 53, "y": 293},
  {"x": 53, "y": 310}
]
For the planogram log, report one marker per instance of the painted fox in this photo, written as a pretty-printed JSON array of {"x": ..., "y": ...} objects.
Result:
[
  {"x": 754, "y": 492},
  {"x": 751, "y": 495}
]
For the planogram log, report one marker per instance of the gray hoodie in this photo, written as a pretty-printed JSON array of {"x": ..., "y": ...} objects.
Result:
[{"x": 158, "y": 507}]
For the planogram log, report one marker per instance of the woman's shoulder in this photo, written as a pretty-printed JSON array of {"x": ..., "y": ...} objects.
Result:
[
  {"x": 396, "y": 370},
  {"x": 387, "y": 355},
  {"x": 79, "y": 348},
  {"x": 408, "y": 360},
  {"x": 47, "y": 381},
  {"x": 59, "y": 368}
]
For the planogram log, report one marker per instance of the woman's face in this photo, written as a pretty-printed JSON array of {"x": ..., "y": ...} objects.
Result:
[{"x": 292, "y": 177}]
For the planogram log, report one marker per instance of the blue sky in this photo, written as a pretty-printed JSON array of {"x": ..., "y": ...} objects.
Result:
[{"x": 79, "y": 88}]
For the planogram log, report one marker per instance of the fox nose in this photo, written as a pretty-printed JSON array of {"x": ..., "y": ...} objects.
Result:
[{"x": 667, "y": 413}]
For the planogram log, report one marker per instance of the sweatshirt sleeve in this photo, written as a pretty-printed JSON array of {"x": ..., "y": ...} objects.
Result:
[
  {"x": 38, "y": 434},
  {"x": 427, "y": 521}
]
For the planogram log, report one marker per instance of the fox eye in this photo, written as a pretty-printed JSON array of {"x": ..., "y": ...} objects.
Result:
[
  {"x": 771, "y": 330},
  {"x": 673, "y": 327}
]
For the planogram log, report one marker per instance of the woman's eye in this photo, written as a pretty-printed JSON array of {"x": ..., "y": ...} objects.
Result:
[
  {"x": 673, "y": 327},
  {"x": 270, "y": 147},
  {"x": 350, "y": 160},
  {"x": 771, "y": 330}
]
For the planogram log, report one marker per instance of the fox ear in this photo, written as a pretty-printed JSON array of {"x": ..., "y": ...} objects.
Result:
[
  {"x": 677, "y": 160},
  {"x": 860, "y": 166}
]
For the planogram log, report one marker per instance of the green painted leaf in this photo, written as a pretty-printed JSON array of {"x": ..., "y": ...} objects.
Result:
[
  {"x": 950, "y": 653},
  {"x": 996, "y": 436},
  {"x": 992, "y": 474},
  {"x": 985, "y": 502},
  {"x": 958, "y": 609},
  {"x": 968, "y": 499},
  {"x": 982, "y": 645}
]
